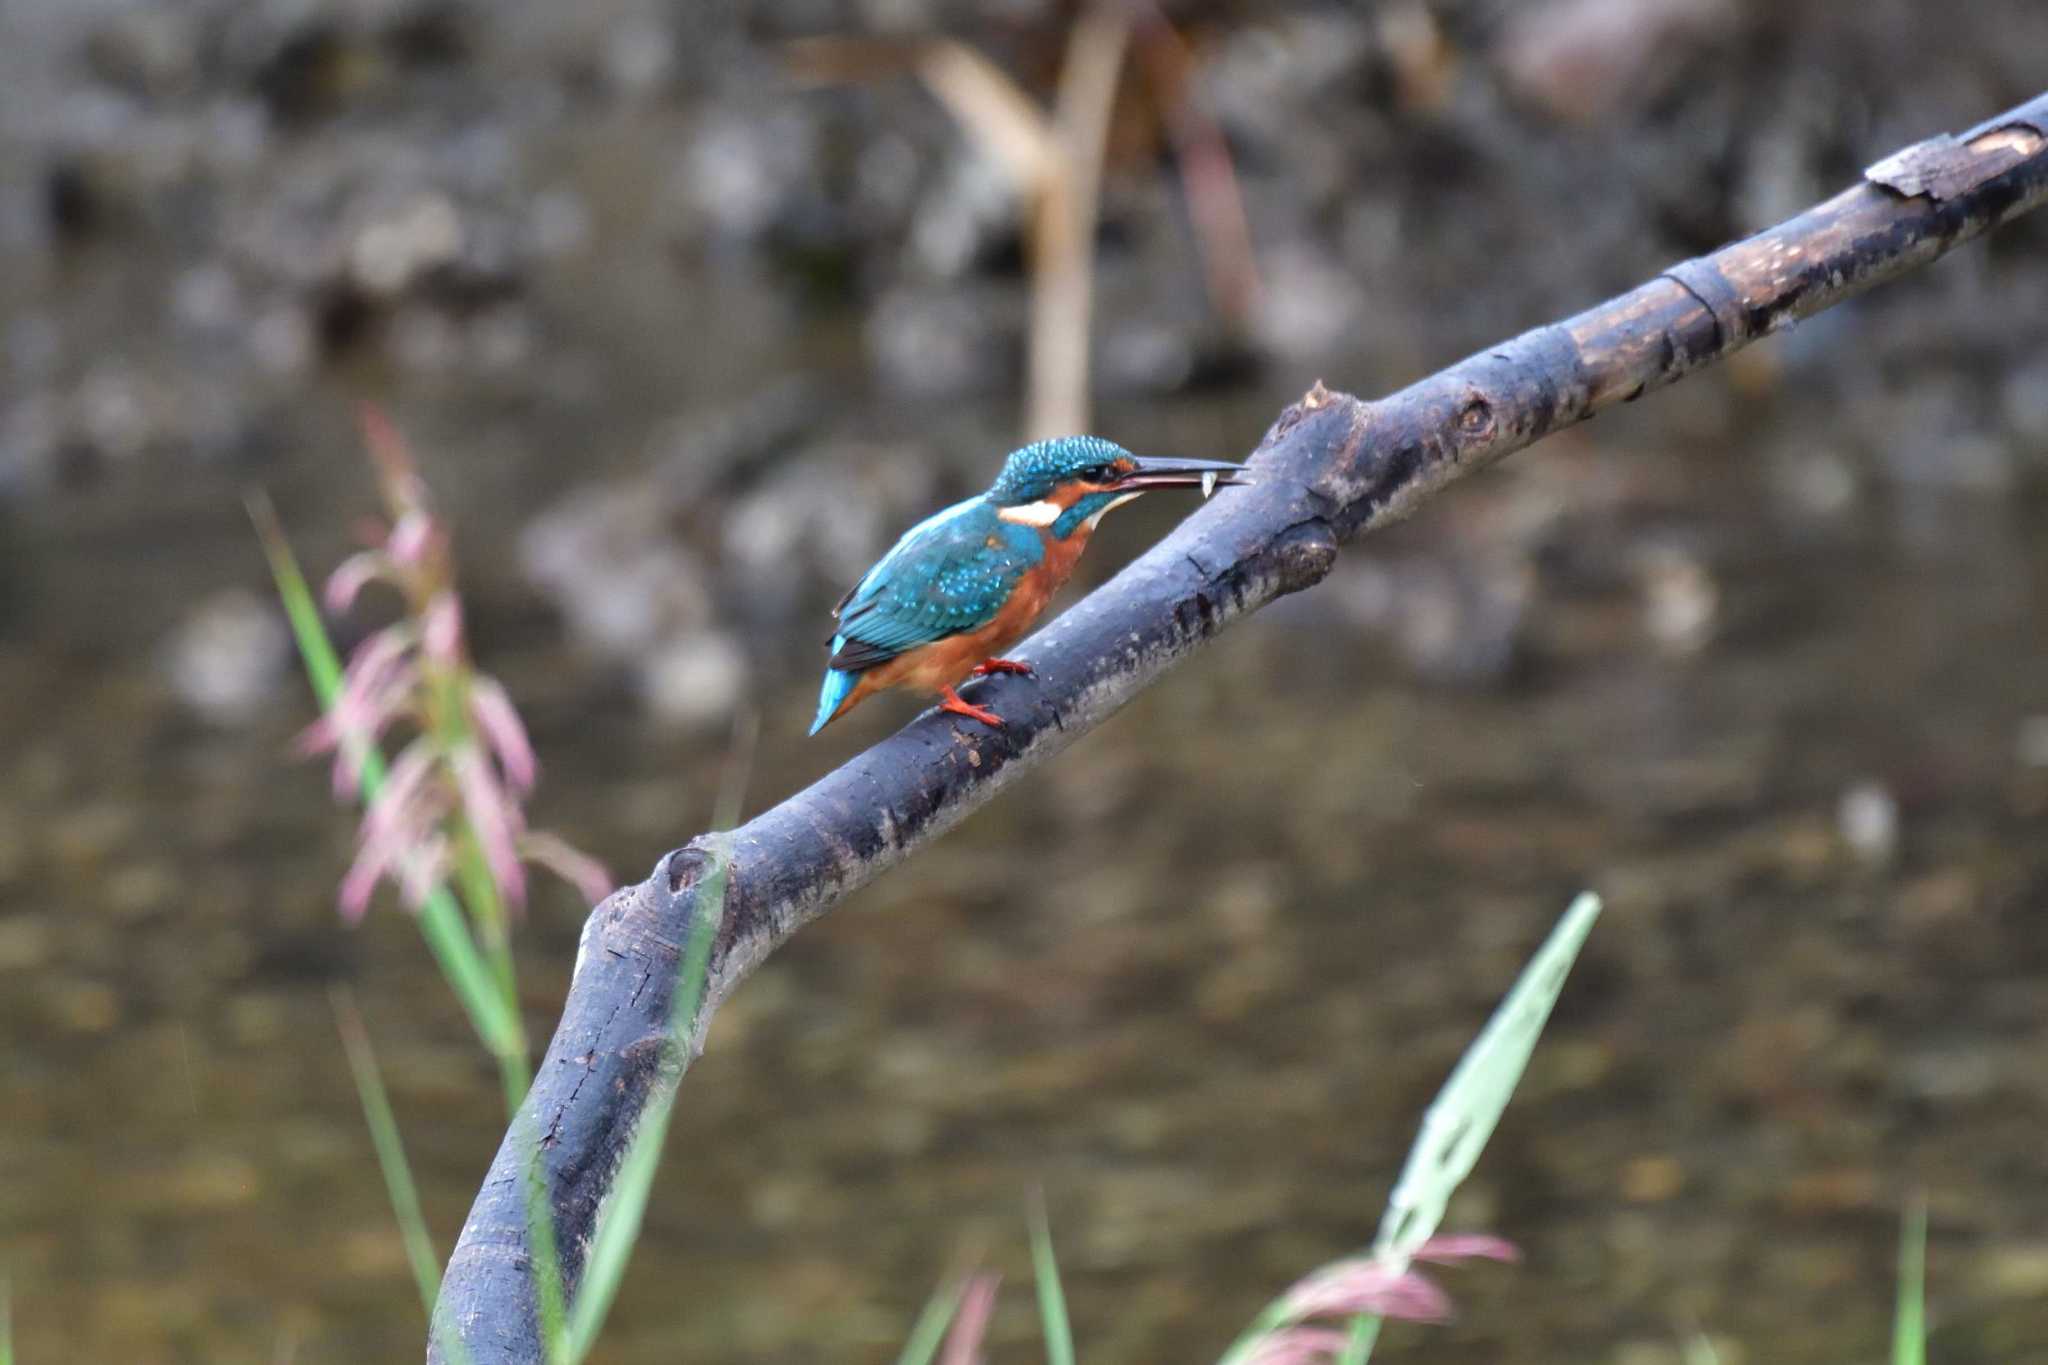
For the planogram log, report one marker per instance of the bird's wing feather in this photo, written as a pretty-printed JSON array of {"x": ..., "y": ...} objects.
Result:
[{"x": 949, "y": 575}]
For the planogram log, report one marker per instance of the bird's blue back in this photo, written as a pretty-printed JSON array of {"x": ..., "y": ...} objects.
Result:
[{"x": 948, "y": 575}]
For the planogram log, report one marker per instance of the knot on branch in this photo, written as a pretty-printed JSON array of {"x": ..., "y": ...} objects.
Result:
[
  {"x": 1304, "y": 555},
  {"x": 686, "y": 866}
]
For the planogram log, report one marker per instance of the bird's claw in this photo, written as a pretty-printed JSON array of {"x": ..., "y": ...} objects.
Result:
[
  {"x": 987, "y": 667},
  {"x": 951, "y": 701}
]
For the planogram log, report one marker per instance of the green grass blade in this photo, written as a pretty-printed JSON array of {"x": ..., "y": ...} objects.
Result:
[
  {"x": 383, "y": 1125},
  {"x": 1459, "y": 1121},
  {"x": 619, "y": 1221},
  {"x": 1699, "y": 1350},
  {"x": 1052, "y": 1300},
  {"x": 928, "y": 1333},
  {"x": 1909, "y": 1325},
  {"x": 441, "y": 920},
  {"x": 6, "y": 1326},
  {"x": 1457, "y": 1124},
  {"x": 1365, "y": 1333}
]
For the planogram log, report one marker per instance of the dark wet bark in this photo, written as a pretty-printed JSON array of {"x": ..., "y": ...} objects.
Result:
[{"x": 1331, "y": 468}]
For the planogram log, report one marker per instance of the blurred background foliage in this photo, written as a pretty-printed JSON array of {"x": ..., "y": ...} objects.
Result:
[{"x": 684, "y": 332}]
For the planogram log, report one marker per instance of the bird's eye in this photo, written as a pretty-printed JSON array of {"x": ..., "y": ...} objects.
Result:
[{"x": 1102, "y": 473}]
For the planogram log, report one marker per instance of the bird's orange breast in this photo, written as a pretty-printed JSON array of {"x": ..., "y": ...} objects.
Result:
[{"x": 943, "y": 663}]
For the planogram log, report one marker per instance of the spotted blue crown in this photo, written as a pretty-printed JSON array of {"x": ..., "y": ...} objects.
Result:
[{"x": 1031, "y": 473}]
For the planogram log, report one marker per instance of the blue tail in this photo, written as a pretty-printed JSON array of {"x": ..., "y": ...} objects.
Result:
[{"x": 832, "y": 695}]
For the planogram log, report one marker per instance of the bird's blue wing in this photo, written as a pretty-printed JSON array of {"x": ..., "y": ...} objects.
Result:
[{"x": 947, "y": 576}]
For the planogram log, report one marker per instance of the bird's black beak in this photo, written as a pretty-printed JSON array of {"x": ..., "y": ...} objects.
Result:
[{"x": 1206, "y": 475}]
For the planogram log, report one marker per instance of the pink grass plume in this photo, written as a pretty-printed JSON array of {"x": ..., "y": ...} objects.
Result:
[
  {"x": 494, "y": 818},
  {"x": 1298, "y": 1346},
  {"x": 1461, "y": 1247},
  {"x": 591, "y": 878},
  {"x": 970, "y": 1323},
  {"x": 492, "y": 713},
  {"x": 1365, "y": 1285},
  {"x": 348, "y": 580}
]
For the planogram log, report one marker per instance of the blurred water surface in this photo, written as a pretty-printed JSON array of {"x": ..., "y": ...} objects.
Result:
[{"x": 1764, "y": 659}]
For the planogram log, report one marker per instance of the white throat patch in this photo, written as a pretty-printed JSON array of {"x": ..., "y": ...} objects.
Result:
[
  {"x": 1108, "y": 508},
  {"x": 1039, "y": 514}
]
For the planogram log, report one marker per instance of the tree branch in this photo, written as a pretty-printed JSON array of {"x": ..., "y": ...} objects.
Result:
[{"x": 1331, "y": 468}]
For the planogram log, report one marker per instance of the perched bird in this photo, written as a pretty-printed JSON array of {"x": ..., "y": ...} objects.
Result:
[{"x": 965, "y": 585}]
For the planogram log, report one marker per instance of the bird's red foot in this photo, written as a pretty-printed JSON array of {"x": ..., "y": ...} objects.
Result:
[
  {"x": 982, "y": 670},
  {"x": 949, "y": 700}
]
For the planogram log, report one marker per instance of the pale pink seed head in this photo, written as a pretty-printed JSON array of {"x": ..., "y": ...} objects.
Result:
[
  {"x": 1466, "y": 1246},
  {"x": 382, "y": 657},
  {"x": 424, "y": 868},
  {"x": 591, "y": 878},
  {"x": 411, "y": 538},
  {"x": 494, "y": 818},
  {"x": 441, "y": 628},
  {"x": 1298, "y": 1346},
  {"x": 970, "y": 1322},
  {"x": 402, "y": 788},
  {"x": 1364, "y": 1285},
  {"x": 354, "y": 574},
  {"x": 495, "y": 718}
]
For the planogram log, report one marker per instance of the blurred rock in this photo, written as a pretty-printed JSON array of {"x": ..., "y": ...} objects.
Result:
[
  {"x": 1457, "y": 621},
  {"x": 2024, "y": 400},
  {"x": 148, "y": 50},
  {"x": 1680, "y": 600},
  {"x": 639, "y": 56},
  {"x": 228, "y": 657},
  {"x": 1585, "y": 60},
  {"x": 117, "y": 411},
  {"x": 1310, "y": 304},
  {"x": 1140, "y": 356},
  {"x": 972, "y": 207},
  {"x": 1262, "y": 74},
  {"x": 207, "y": 300},
  {"x": 557, "y": 224},
  {"x": 743, "y": 169},
  {"x": 1815, "y": 482},
  {"x": 1953, "y": 1073},
  {"x": 606, "y": 560},
  {"x": 1868, "y": 818},
  {"x": 282, "y": 340},
  {"x": 30, "y": 433},
  {"x": 823, "y": 520},
  {"x": 695, "y": 680},
  {"x": 940, "y": 343},
  {"x": 394, "y": 249}
]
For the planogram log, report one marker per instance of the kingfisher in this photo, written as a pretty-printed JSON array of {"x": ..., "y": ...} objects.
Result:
[{"x": 962, "y": 586}]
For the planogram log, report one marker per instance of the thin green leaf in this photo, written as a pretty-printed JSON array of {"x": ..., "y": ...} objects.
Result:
[
  {"x": 619, "y": 1221},
  {"x": 441, "y": 920},
  {"x": 1699, "y": 1350},
  {"x": 390, "y": 1148},
  {"x": 1457, "y": 1124},
  {"x": 1909, "y": 1324},
  {"x": 928, "y": 1333},
  {"x": 1365, "y": 1332},
  {"x": 1459, "y": 1121},
  {"x": 1052, "y": 1300},
  {"x": 6, "y": 1326}
]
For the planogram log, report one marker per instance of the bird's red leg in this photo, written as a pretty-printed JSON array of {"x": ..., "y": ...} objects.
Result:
[
  {"x": 988, "y": 666},
  {"x": 949, "y": 700}
]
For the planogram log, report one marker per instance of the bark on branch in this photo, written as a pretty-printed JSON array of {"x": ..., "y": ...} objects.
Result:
[{"x": 1330, "y": 469}]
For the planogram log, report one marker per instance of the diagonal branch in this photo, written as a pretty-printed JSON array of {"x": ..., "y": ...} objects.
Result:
[{"x": 1332, "y": 468}]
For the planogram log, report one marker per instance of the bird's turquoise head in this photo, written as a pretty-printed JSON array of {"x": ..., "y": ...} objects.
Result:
[{"x": 1067, "y": 483}]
